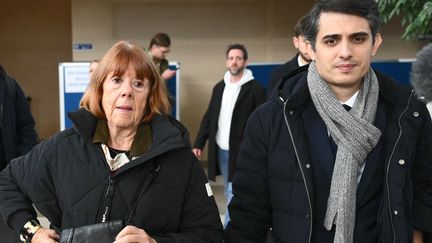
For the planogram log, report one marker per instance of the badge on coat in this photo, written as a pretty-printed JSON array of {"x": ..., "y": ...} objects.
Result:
[{"x": 209, "y": 190}]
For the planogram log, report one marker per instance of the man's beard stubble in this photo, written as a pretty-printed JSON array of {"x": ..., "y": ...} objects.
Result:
[
  {"x": 305, "y": 57},
  {"x": 235, "y": 72}
]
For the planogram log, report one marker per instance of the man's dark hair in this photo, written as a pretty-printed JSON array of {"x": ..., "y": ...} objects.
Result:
[
  {"x": 239, "y": 47},
  {"x": 300, "y": 26},
  {"x": 160, "y": 39},
  {"x": 367, "y": 9}
]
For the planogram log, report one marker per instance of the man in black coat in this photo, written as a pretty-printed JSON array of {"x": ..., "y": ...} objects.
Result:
[
  {"x": 17, "y": 132},
  {"x": 342, "y": 153},
  {"x": 232, "y": 101},
  {"x": 301, "y": 58}
]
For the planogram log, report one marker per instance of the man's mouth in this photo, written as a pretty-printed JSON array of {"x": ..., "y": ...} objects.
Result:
[{"x": 346, "y": 66}]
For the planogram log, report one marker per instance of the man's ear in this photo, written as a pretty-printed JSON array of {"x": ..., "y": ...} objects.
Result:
[
  {"x": 295, "y": 41},
  {"x": 309, "y": 50},
  {"x": 377, "y": 44}
]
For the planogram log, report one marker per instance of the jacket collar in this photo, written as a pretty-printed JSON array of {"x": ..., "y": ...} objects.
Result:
[
  {"x": 392, "y": 92},
  {"x": 167, "y": 133},
  {"x": 294, "y": 90}
]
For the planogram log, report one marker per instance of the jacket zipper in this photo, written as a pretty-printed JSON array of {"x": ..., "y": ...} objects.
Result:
[
  {"x": 301, "y": 169},
  {"x": 388, "y": 165},
  {"x": 1, "y": 115},
  {"x": 107, "y": 202}
]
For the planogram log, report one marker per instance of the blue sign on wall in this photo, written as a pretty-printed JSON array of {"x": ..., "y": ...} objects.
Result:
[
  {"x": 83, "y": 46},
  {"x": 398, "y": 70}
]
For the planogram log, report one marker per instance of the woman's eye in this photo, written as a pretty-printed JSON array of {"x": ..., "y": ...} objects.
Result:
[
  {"x": 138, "y": 83},
  {"x": 116, "y": 80}
]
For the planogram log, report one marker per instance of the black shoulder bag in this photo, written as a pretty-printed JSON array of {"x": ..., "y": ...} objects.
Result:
[{"x": 105, "y": 232}]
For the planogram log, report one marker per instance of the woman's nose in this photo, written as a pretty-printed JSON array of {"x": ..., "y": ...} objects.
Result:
[{"x": 126, "y": 89}]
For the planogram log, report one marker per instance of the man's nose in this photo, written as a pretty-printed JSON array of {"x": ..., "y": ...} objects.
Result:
[{"x": 345, "y": 49}]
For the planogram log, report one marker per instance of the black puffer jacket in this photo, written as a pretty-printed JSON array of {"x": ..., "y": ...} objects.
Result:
[
  {"x": 67, "y": 176},
  {"x": 16, "y": 121},
  {"x": 274, "y": 184}
]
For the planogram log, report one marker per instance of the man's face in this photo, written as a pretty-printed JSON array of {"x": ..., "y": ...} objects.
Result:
[
  {"x": 343, "y": 49},
  {"x": 301, "y": 44},
  {"x": 159, "y": 52},
  {"x": 235, "y": 62},
  {"x": 92, "y": 68}
]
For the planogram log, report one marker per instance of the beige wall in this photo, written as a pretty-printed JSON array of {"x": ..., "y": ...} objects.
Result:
[
  {"x": 35, "y": 37},
  {"x": 200, "y": 32}
]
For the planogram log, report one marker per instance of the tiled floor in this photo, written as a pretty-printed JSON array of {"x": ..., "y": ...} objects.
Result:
[{"x": 218, "y": 192}]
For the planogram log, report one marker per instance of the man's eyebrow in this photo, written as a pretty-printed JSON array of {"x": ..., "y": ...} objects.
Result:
[
  {"x": 332, "y": 36},
  {"x": 360, "y": 34},
  {"x": 335, "y": 36}
]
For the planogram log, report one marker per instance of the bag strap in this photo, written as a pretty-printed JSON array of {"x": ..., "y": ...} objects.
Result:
[{"x": 155, "y": 170}]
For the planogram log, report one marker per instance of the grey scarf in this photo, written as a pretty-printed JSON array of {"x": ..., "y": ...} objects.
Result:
[{"x": 355, "y": 136}]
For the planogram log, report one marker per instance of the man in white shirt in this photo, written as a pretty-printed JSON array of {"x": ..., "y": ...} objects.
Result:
[{"x": 232, "y": 101}]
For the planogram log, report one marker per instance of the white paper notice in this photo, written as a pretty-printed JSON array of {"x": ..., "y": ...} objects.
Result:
[{"x": 76, "y": 79}]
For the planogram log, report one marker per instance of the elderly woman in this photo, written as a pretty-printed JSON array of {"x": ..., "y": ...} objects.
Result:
[{"x": 123, "y": 159}]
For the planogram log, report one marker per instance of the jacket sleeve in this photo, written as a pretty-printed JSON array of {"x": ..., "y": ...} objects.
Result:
[
  {"x": 200, "y": 221},
  {"x": 25, "y": 124},
  {"x": 250, "y": 210},
  {"x": 203, "y": 133},
  {"x": 273, "y": 80},
  {"x": 26, "y": 181},
  {"x": 422, "y": 177},
  {"x": 260, "y": 96}
]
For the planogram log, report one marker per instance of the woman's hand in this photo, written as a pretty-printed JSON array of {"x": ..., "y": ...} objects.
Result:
[
  {"x": 44, "y": 235},
  {"x": 417, "y": 237},
  {"x": 133, "y": 234}
]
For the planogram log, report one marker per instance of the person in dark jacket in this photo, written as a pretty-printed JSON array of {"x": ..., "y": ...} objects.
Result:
[
  {"x": 300, "y": 59},
  {"x": 122, "y": 141},
  {"x": 159, "y": 47},
  {"x": 17, "y": 126},
  {"x": 342, "y": 153},
  {"x": 17, "y": 130},
  {"x": 233, "y": 100}
]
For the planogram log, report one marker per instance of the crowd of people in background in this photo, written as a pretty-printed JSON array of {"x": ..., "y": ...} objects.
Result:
[{"x": 331, "y": 151}]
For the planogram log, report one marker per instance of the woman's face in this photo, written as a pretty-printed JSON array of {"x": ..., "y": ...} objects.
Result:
[{"x": 124, "y": 99}]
